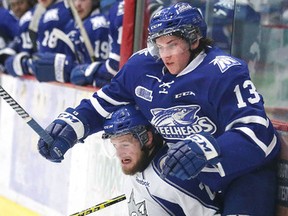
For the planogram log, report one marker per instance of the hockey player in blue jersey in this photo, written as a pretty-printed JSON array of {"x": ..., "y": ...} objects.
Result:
[
  {"x": 19, "y": 51},
  {"x": 56, "y": 16},
  {"x": 46, "y": 41},
  {"x": 140, "y": 151},
  {"x": 99, "y": 73},
  {"x": 21, "y": 42},
  {"x": 56, "y": 66},
  {"x": 8, "y": 30},
  {"x": 184, "y": 86}
]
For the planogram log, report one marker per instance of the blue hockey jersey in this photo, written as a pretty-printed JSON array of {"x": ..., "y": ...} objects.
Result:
[
  {"x": 23, "y": 40},
  {"x": 115, "y": 17},
  {"x": 214, "y": 93},
  {"x": 56, "y": 16},
  {"x": 96, "y": 26},
  {"x": 8, "y": 27}
]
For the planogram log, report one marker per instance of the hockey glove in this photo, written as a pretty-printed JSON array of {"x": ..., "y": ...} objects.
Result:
[
  {"x": 187, "y": 158},
  {"x": 49, "y": 67},
  {"x": 102, "y": 77},
  {"x": 68, "y": 129},
  {"x": 5, "y": 53},
  {"x": 16, "y": 65},
  {"x": 84, "y": 74}
]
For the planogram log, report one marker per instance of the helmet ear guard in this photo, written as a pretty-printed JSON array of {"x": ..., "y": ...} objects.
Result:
[{"x": 141, "y": 134}]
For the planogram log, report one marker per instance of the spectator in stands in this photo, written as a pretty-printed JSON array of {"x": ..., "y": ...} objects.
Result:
[{"x": 99, "y": 74}]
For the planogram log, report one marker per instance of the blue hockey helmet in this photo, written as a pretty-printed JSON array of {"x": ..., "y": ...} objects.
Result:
[
  {"x": 181, "y": 19},
  {"x": 127, "y": 119}
]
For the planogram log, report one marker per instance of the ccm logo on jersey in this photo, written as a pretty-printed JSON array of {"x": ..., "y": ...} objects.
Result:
[{"x": 183, "y": 94}]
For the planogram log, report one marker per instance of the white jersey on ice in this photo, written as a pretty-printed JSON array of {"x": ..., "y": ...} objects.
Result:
[{"x": 149, "y": 194}]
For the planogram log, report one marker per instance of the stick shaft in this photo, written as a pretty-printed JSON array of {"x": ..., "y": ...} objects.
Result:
[
  {"x": 82, "y": 30},
  {"x": 24, "y": 115},
  {"x": 100, "y": 206}
]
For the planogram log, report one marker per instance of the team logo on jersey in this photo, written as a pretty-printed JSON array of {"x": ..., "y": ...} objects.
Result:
[
  {"x": 181, "y": 121},
  {"x": 25, "y": 18},
  {"x": 136, "y": 209},
  {"x": 120, "y": 10},
  {"x": 224, "y": 62},
  {"x": 51, "y": 15},
  {"x": 98, "y": 22},
  {"x": 143, "y": 93}
]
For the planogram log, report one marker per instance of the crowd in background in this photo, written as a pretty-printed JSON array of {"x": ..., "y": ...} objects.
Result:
[{"x": 36, "y": 40}]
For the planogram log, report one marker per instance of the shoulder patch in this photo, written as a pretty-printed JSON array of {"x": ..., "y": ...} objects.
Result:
[
  {"x": 143, "y": 93},
  {"x": 224, "y": 62},
  {"x": 51, "y": 15},
  {"x": 98, "y": 22}
]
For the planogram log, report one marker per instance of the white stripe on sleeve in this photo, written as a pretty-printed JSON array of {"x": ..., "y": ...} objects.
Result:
[{"x": 249, "y": 119}]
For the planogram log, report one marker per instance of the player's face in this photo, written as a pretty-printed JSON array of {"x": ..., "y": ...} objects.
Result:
[
  {"x": 174, "y": 52},
  {"x": 83, "y": 7},
  {"x": 19, "y": 7},
  {"x": 129, "y": 152},
  {"x": 45, "y": 3}
]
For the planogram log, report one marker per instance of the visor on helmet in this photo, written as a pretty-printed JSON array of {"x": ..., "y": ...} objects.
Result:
[{"x": 188, "y": 33}]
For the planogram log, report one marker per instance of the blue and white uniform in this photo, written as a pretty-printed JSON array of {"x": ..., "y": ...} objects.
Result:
[
  {"x": 213, "y": 94},
  {"x": 100, "y": 73},
  {"x": 96, "y": 26},
  {"x": 56, "y": 16},
  {"x": 8, "y": 27},
  {"x": 23, "y": 40},
  {"x": 149, "y": 194},
  {"x": 115, "y": 17}
]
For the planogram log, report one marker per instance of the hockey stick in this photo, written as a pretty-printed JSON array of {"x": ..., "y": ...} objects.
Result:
[
  {"x": 60, "y": 35},
  {"x": 28, "y": 119},
  {"x": 33, "y": 25},
  {"x": 83, "y": 32},
  {"x": 100, "y": 206}
]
